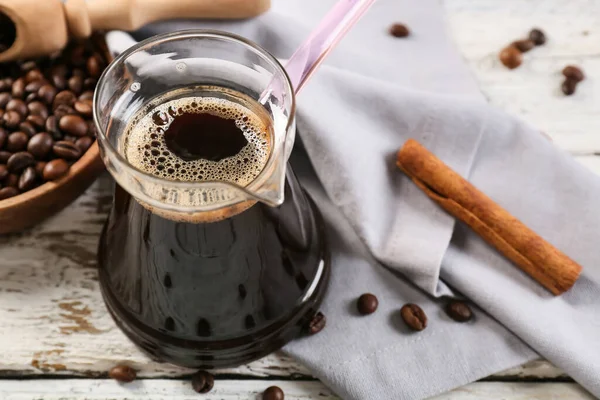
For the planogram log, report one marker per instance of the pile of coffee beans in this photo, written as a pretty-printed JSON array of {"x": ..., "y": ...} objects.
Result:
[
  {"x": 573, "y": 75},
  {"x": 512, "y": 55},
  {"x": 46, "y": 115}
]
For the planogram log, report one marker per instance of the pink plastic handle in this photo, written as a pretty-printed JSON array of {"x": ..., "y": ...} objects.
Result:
[{"x": 322, "y": 40}]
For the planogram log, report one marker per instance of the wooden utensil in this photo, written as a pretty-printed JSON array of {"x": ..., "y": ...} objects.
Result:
[
  {"x": 535, "y": 256},
  {"x": 31, "y": 28}
]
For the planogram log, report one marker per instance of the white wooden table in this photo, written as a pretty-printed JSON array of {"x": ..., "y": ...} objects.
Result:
[{"x": 55, "y": 331}]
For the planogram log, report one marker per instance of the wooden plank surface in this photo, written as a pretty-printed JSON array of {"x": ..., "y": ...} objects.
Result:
[{"x": 54, "y": 321}]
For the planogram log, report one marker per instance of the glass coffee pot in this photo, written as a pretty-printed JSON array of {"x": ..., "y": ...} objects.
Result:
[{"x": 213, "y": 255}]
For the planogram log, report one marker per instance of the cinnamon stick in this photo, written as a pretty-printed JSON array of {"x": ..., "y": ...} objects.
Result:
[{"x": 543, "y": 262}]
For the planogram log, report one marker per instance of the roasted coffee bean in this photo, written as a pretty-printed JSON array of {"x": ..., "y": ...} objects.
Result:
[
  {"x": 4, "y": 156},
  {"x": 367, "y": 304},
  {"x": 28, "y": 65},
  {"x": 273, "y": 393},
  {"x": 17, "y": 105},
  {"x": 84, "y": 143},
  {"x": 77, "y": 55},
  {"x": 8, "y": 192},
  {"x": 78, "y": 72},
  {"x": 414, "y": 317},
  {"x": 84, "y": 108},
  {"x": 73, "y": 125},
  {"x": 19, "y": 161},
  {"x": 3, "y": 172},
  {"x": 33, "y": 75},
  {"x": 39, "y": 168},
  {"x": 18, "y": 88},
  {"x": 63, "y": 110},
  {"x": 3, "y": 137},
  {"x": 75, "y": 84},
  {"x": 34, "y": 86},
  {"x": 537, "y": 36},
  {"x": 399, "y": 30},
  {"x": 47, "y": 93},
  {"x": 568, "y": 87},
  {"x": 59, "y": 82},
  {"x": 523, "y": 45},
  {"x": 27, "y": 179},
  {"x": 4, "y": 99},
  {"x": 16, "y": 141},
  {"x": 38, "y": 108},
  {"x": 11, "y": 119},
  {"x": 37, "y": 121},
  {"x": 459, "y": 311},
  {"x": 40, "y": 145},
  {"x": 66, "y": 150},
  {"x": 122, "y": 373},
  {"x": 59, "y": 70},
  {"x": 31, "y": 97},
  {"x": 317, "y": 323},
  {"x": 12, "y": 180},
  {"x": 27, "y": 128},
  {"x": 70, "y": 138},
  {"x": 94, "y": 65},
  {"x": 65, "y": 97},
  {"x": 87, "y": 95},
  {"x": 573, "y": 73},
  {"x": 5, "y": 86},
  {"x": 89, "y": 83},
  {"x": 55, "y": 169},
  {"x": 52, "y": 128},
  {"x": 511, "y": 57},
  {"x": 203, "y": 381}
]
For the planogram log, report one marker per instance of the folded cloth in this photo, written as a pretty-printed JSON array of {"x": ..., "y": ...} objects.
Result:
[{"x": 373, "y": 93}]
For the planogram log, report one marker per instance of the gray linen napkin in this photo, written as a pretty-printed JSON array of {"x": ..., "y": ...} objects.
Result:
[{"x": 372, "y": 94}]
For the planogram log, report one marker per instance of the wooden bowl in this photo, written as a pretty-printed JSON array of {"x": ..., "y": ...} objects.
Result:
[{"x": 33, "y": 206}]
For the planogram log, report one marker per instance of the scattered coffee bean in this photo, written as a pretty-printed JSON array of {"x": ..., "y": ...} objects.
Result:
[
  {"x": 37, "y": 121},
  {"x": 27, "y": 179},
  {"x": 47, "y": 93},
  {"x": 94, "y": 66},
  {"x": 18, "y": 88},
  {"x": 3, "y": 172},
  {"x": 28, "y": 66},
  {"x": 17, "y": 105},
  {"x": 34, "y": 86},
  {"x": 568, "y": 87},
  {"x": 65, "y": 97},
  {"x": 16, "y": 141},
  {"x": 573, "y": 73},
  {"x": 63, "y": 110},
  {"x": 39, "y": 168},
  {"x": 459, "y": 311},
  {"x": 28, "y": 128},
  {"x": 4, "y": 99},
  {"x": 76, "y": 84},
  {"x": 367, "y": 304},
  {"x": 317, "y": 323},
  {"x": 66, "y": 150},
  {"x": 414, "y": 317},
  {"x": 203, "y": 382},
  {"x": 273, "y": 393},
  {"x": 33, "y": 75},
  {"x": 11, "y": 119},
  {"x": 73, "y": 125},
  {"x": 84, "y": 143},
  {"x": 55, "y": 169},
  {"x": 511, "y": 57},
  {"x": 8, "y": 192},
  {"x": 19, "y": 161},
  {"x": 12, "y": 181},
  {"x": 537, "y": 36},
  {"x": 38, "y": 108},
  {"x": 59, "y": 82},
  {"x": 87, "y": 95},
  {"x": 122, "y": 373},
  {"x": 4, "y": 156},
  {"x": 52, "y": 127},
  {"x": 399, "y": 30},
  {"x": 523, "y": 45},
  {"x": 40, "y": 145},
  {"x": 31, "y": 97},
  {"x": 84, "y": 108}
]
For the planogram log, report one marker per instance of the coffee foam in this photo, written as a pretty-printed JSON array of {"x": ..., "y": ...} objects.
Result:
[{"x": 146, "y": 150}]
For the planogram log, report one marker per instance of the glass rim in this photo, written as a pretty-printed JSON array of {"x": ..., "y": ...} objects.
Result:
[{"x": 190, "y": 33}]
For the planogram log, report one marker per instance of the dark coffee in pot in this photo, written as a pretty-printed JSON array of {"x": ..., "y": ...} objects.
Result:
[{"x": 221, "y": 287}]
